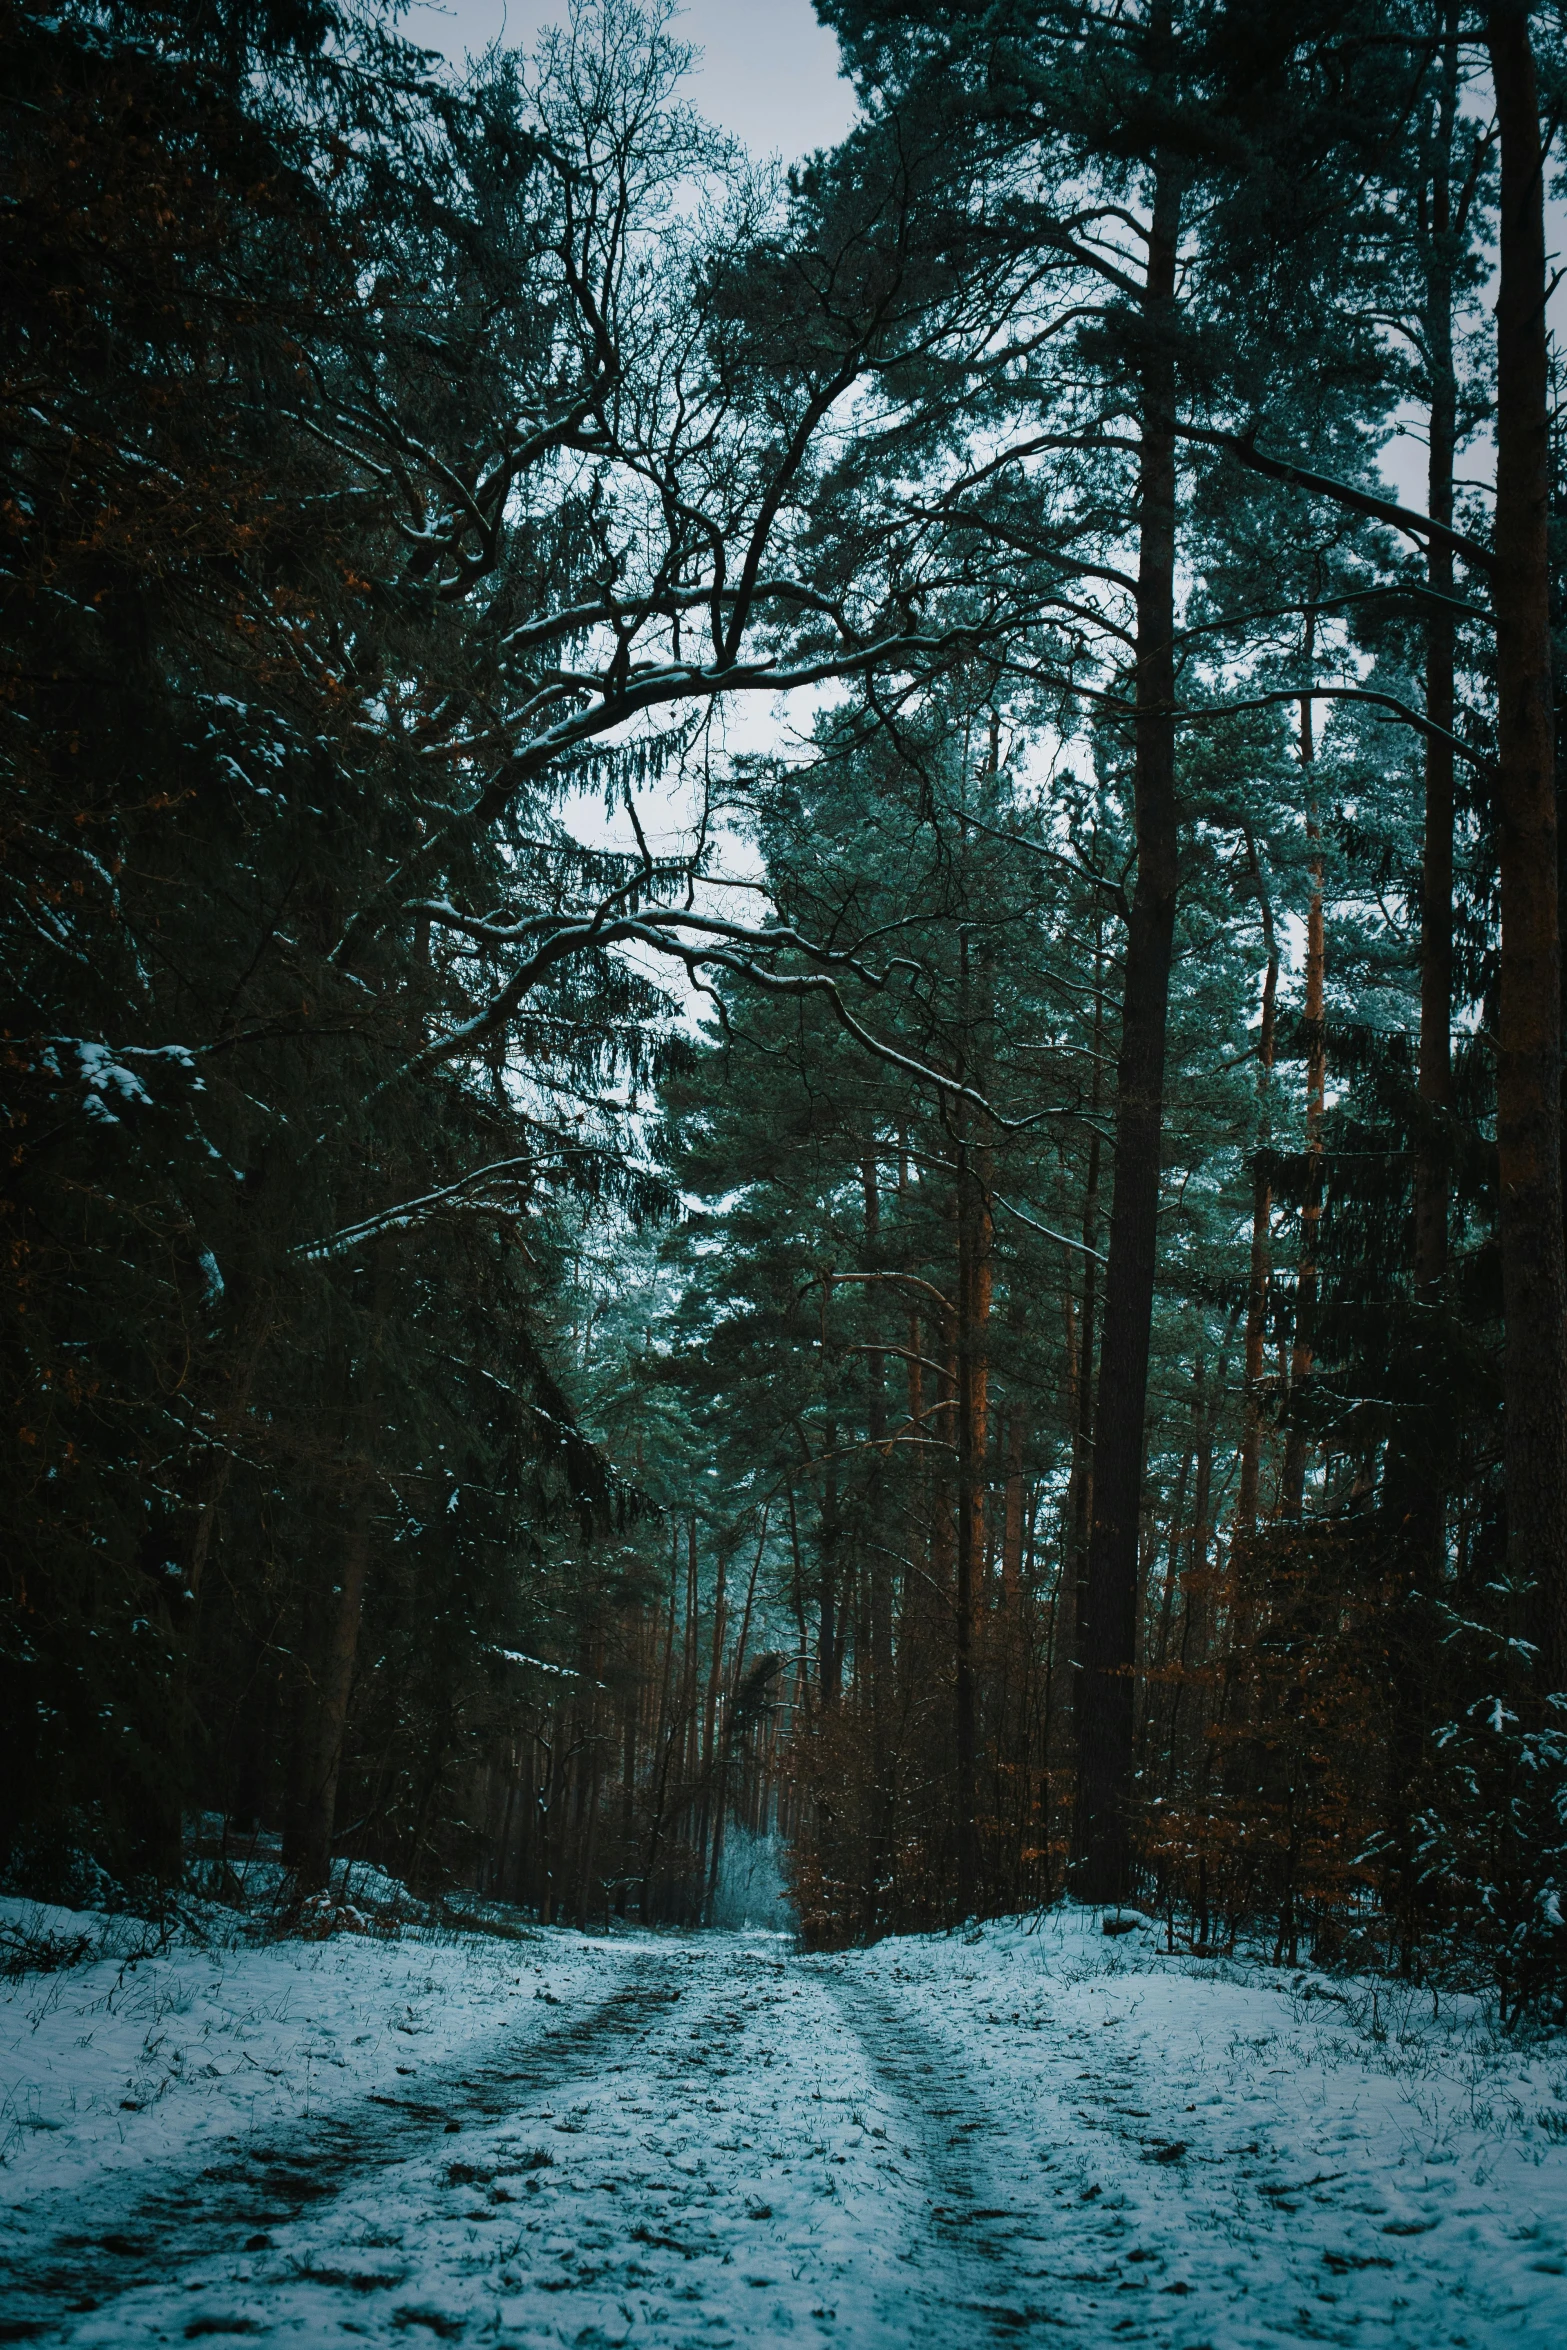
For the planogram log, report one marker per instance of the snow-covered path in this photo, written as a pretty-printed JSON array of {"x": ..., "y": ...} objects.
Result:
[{"x": 709, "y": 2139}]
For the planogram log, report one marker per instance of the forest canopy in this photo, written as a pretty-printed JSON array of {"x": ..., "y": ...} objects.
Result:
[{"x": 783, "y": 999}]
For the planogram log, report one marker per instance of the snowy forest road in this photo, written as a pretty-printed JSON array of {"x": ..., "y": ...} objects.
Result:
[
  {"x": 712, "y": 2139},
  {"x": 116, "y": 2250}
]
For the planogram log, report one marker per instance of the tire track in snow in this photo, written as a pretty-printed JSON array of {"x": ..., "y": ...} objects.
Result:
[
  {"x": 715, "y": 2178},
  {"x": 970, "y": 2265},
  {"x": 51, "y": 2277}
]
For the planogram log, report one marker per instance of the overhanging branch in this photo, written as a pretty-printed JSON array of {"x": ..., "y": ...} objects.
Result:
[{"x": 1420, "y": 527}]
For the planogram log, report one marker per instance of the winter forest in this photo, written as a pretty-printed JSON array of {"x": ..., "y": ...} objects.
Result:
[{"x": 782, "y": 993}]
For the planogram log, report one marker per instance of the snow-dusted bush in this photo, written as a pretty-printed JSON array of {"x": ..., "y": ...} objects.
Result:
[{"x": 1493, "y": 1846}]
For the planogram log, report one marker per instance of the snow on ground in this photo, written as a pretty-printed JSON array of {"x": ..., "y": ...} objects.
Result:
[
  {"x": 112, "y": 2071},
  {"x": 1028, "y": 2133},
  {"x": 1192, "y": 2153}
]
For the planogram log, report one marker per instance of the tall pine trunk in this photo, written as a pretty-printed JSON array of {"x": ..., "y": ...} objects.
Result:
[
  {"x": 1436, "y": 864},
  {"x": 973, "y": 1315},
  {"x": 876, "y": 1434},
  {"x": 829, "y": 1615},
  {"x": 1417, "y": 1479},
  {"x": 1080, "y": 1355},
  {"x": 1106, "y": 1710},
  {"x": 1303, "y": 1352},
  {"x": 1528, "y": 1054},
  {"x": 1012, "y": 1489},
  {"x": 1261, "y": 1207},
  {"x": 327, "y": 1719}
]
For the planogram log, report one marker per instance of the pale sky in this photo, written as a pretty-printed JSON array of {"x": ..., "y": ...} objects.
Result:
[{"x": 768, "y": 72}]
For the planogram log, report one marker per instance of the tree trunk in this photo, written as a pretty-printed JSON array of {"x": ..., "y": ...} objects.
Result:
[
  {"x": 1108, "y": 1639},
  {"x": 1528, "y": 1054},
  {"x": 688, "y": 1681},
  {"x": 1436, "y": 864},
  {"x": 974, "y": 1290},
  {"x": 335, "y": 1670},
  {"x": 830, "y": 1643},
  {"x": 1080, "y": 1356},
  {"x": 1012, "y": 1523},
  {"x": 334, "y": 1683},
  {"x": 1293, "y": 1485},
  {"x": 1195, "y": 1611},
  {"x": 876, "y": 1432},
  {"x": 879, "y": 1573},
  {"x": 710, "y": 1728},
  {"x": 1417, "y": 1477},
  {"x": 1261, "y": 1209},
  {"x": 590, "y": 1784},
  {"x": 1172, "y": 1576}
]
